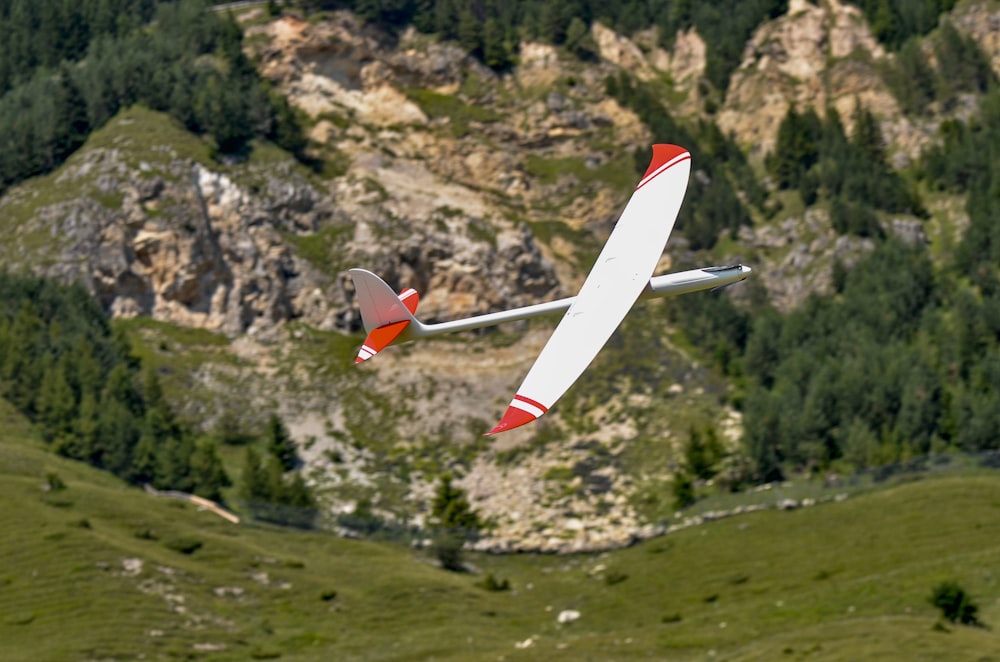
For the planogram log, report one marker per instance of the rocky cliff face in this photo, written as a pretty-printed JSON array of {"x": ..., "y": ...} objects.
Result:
[{"x": 816, "y": 55}]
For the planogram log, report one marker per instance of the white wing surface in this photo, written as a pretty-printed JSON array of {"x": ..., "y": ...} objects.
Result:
[{"x": 614, "y": 284}]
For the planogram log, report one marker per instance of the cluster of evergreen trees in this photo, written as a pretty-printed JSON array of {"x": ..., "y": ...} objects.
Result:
[
  {"x": 492, "y": 29},
  {"x": 816, "y": 157},
  {"x": 894, "y": 22},
  {"x": 961, "y": 67},
  {"x": 904, "y": 358},
  {"x": 270, "y": 490},
  {"x": 964, "y": 162},
  {"x": 63, "y": 367},
  {"x": 42, "y": 35},
  {"x": 188, "y": 62},
  {"x": 453, "y": 522}
]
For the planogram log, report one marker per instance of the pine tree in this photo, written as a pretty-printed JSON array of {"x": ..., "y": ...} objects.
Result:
[
  {"x": 56, "y": 402},
  {"x": 116, "y": 437},
  {"x": 173, "y": 464},
  {"x": 470, "y": 35},
  {"x": 280, "y": 443},
  {"x": 450, "y": 509},
  {"x": 207, "y": 473},
  {"x": 144, "y": 457},
  {"x": 496, "y": 52},
  {"x": 73, "y": 123},
  {"x": 867, "y": 135},
  {"x": 684, "y": 494},
  {"x": 255, "y": 487},
  {"x": 82, "y": 444},
  {"x": 22, "y": 368},
  {"x": 702, "y": 452},
  {"x": 796, "y": 149},
  {"x": 301, "y": 503}
]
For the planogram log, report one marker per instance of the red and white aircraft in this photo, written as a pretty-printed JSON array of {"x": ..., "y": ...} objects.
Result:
[{"x": 621, "y": 276}]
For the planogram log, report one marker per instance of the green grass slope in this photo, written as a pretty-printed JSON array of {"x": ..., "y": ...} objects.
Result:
[{"x": 103, "y": 571}]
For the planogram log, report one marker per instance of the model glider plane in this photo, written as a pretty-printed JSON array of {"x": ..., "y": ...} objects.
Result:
[{"x": 620, "y": 277}]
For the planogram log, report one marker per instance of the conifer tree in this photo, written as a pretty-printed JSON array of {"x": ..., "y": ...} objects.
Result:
[
  {"x": 207, "y": 473},
  {"x": 144, "y": 457},
  {"x": 280, "y": 443},
  {"x": 255, "y": 486},
  {"x": 451, "y": 510}
]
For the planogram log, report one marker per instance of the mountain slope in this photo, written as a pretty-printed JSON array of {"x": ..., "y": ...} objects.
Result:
[
  {"x": 99, "y": 570},
  {"x": 487, "y": 190}
]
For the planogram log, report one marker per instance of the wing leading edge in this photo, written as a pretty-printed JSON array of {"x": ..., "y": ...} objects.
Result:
[{"x": 614, "y": 284}]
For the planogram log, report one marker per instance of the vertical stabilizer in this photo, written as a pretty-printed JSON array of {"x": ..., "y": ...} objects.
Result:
[{"x": 384, "y": 313}]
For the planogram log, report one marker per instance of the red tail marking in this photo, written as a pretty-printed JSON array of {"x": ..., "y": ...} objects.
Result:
[{"x": 382, "y": 337}]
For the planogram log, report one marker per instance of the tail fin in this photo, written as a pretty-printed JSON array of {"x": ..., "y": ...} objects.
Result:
[{"x": 384, "y": 313}]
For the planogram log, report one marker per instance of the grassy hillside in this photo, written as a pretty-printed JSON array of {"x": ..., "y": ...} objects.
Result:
[{"x": 102, "y": 571}]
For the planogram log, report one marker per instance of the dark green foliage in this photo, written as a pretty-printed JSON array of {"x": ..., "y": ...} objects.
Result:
[
  {"x": 911, "y": 79},
  {"x": 491, "y": 583},
  {"x": 703, "y": 452},
  {"x": 184, "y": 545},
  {"x": 451, "y": 510},
  {"x": 230, "y": 430},
  {"x": 453, "y": 523},
  {"x": 684, "y": 494},
  {"x": 816, "y": 157},
  {"x": 796, "y": 148},
  {"x": 189, "y": 64},
  {"x": 955, "y": 604},
  {"x": 447, "y": 549},
  {"x": 964, "y": 162},
  {"x": 615, "y": 577},
  {"x": 272, "y": 496},
  {"x": 895, "y": 21},
  {"x": 44, "y": 33},
  {"x": 53, "y": 483},
  {"x": 280, "y": 444},
  {"x": 208, "y": 476},
  {"x": 961, "y": 67},
  {"x": 63, "y": 367},
  {"x": 961, "y": 64},
  {"x": 904, "y": 357}
]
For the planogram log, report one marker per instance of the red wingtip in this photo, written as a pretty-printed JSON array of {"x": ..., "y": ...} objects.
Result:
[
  {"x": 662, "y": 154},
  {"x": 358, "y": 360},
  {"x": 512, "y": 418}
]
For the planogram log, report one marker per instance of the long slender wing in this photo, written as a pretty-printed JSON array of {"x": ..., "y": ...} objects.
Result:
[{"x": 612, "y": 287}]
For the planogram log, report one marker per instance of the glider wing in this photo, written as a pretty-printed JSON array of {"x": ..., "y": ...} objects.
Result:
[{"x": 614, "y": 284}]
